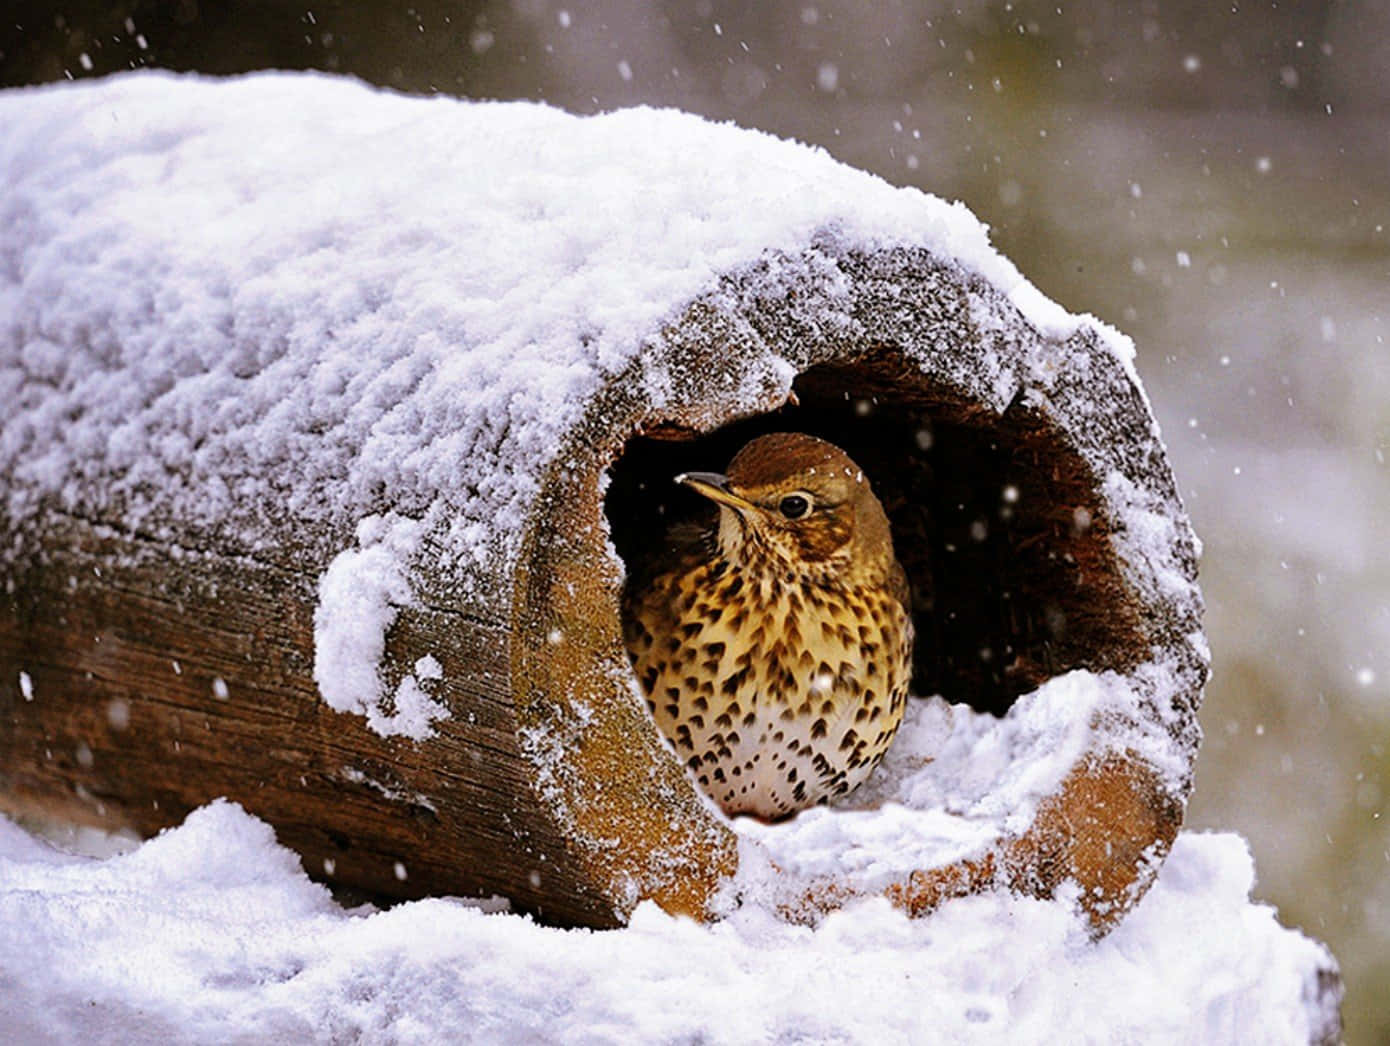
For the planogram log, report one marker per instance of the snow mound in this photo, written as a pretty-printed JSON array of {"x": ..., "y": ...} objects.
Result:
[
  {"x": 211, "y": 932},
  {"x": 953, "y": 782},
  {"x": 370, "y": 297}
]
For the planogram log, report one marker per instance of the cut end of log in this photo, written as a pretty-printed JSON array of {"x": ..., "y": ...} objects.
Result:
[{"x": 1011, "y": 514}]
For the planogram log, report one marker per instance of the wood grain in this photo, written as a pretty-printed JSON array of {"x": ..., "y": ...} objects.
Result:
[{"x": 128, "y": 648}]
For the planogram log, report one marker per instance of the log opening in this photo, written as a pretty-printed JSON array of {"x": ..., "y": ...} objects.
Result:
[{"x": 995, "y": 518}]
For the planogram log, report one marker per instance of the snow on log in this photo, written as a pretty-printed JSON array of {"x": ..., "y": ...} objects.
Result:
[{"x": 334, "y": 419}]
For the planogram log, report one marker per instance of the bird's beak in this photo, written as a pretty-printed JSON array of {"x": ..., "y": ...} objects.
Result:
[{"x": 715, "y": 487}]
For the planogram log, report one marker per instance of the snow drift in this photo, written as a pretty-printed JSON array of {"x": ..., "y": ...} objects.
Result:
[{"x": 211, "y": 932}]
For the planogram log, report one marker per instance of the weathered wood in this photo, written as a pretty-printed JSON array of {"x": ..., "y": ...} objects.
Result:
[{"x": 130, "y": 650}]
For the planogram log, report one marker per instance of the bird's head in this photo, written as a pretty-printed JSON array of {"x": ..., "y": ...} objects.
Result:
[{"x": 797, "y": 504}]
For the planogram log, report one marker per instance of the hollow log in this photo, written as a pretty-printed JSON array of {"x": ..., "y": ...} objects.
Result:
[{"x": 325, "y": 458}]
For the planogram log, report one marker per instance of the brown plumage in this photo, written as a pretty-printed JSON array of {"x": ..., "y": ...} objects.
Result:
[{"x": 775, "y": 646}]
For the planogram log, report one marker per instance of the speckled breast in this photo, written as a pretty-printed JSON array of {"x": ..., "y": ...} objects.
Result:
[{"x": 776, "y": 694}]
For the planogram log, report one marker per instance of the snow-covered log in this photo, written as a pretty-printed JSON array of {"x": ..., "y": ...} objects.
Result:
[{"x": 333, "y": 419}]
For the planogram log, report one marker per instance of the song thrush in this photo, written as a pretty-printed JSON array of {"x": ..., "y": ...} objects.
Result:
[{"x": 775, "y": 645}]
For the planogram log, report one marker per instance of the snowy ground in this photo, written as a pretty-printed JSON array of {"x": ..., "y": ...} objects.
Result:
[{"x": 212, "y": 933}]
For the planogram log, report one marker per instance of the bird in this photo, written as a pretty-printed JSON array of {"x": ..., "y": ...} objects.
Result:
[{"x": 774, "y": 644}]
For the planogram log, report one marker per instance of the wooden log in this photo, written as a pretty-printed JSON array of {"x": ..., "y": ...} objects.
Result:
[{"x": 165, "y": 618}]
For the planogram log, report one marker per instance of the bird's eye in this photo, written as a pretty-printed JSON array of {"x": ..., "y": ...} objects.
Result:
[{"x": 794, "y": 506}]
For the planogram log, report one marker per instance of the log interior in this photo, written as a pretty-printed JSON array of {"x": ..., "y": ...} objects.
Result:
[{"x": 995, "y": 518}]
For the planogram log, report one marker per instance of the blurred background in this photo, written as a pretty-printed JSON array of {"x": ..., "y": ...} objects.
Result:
[{"x": 1214, "y": 179}]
